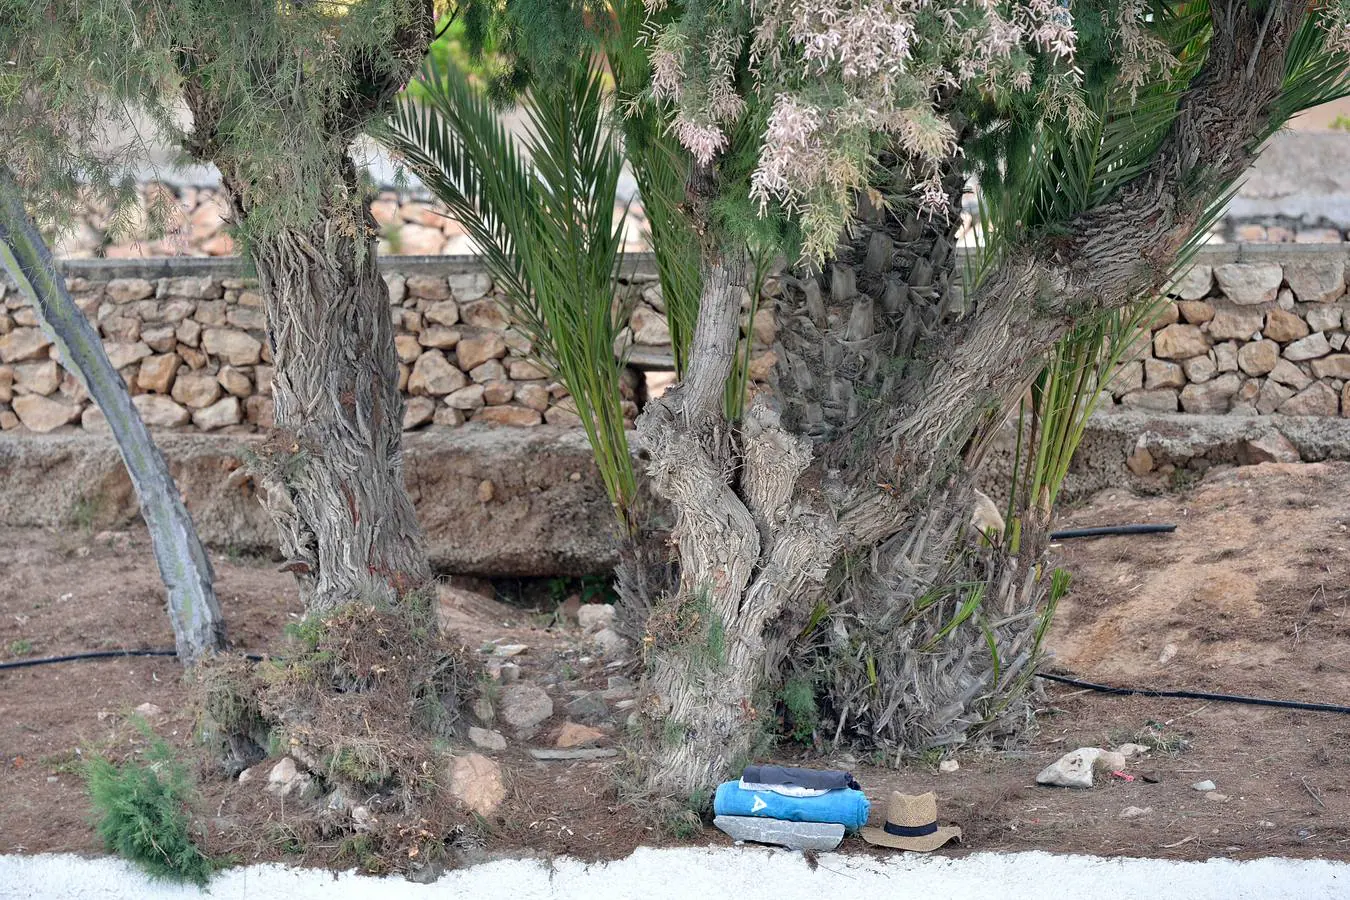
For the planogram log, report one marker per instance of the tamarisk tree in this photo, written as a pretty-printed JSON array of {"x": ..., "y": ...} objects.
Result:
[
  {"x": 824, "y": 533},
  {"x": 275, "y": 93}
]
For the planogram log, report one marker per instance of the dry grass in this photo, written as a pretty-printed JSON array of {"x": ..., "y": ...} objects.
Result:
[{"x": 363, "y": 702}]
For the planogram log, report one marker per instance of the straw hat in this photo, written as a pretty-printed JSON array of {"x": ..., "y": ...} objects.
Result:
[{"x": 911, "y": 824}]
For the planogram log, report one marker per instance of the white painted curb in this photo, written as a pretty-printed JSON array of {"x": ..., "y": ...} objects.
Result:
[{"x": 738, "y": 873}]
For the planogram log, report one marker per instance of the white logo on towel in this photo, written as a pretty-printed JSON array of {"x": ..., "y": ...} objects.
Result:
[{"x": 758, "y": 805}]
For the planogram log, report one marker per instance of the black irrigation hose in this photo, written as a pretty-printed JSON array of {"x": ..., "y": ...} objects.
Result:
[
  {"x": 1061, "y": 679},
  {"x": 1195, "y": 695},
  {"x": 95, "y": 654},
  {"x": 1105, "y": 530}
]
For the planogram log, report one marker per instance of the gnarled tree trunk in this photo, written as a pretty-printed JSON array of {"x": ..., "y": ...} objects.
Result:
[
  {"x": 852, "y": 497},
  {"x": 333, "y": 471}
]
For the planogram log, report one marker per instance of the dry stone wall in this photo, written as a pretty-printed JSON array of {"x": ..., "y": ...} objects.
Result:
[
  {"x": 1250, "y": 331},
  {"x": 1262, "y": 335},
  {"x": 193, "y": 349}
]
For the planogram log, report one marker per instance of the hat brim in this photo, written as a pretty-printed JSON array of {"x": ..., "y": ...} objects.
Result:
[{"x": 925, "y": 844}]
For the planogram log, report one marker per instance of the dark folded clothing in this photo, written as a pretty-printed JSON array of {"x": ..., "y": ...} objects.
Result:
[{"x": 817, "y": 779}]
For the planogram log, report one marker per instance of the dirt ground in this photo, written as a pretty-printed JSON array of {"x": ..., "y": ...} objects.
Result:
[{"x": 1250, "y": 595}]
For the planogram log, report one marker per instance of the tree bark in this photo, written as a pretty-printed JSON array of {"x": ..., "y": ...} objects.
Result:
[
  {"x": 333, "y": 472},
  {"x": 198, "y": 626},
  {"x": 854, "y": 497}
]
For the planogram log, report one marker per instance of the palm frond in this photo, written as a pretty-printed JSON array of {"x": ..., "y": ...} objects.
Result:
[{"x": 542, "y": 212}]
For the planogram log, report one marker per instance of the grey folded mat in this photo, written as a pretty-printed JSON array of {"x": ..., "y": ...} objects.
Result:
[{"x": 815, "y": 779}]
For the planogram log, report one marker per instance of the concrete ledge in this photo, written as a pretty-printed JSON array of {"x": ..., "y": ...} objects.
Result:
[
  {"x": 1174, "y": 440},
  {"x": 746, "y": 873},
  {"x": 547, "y": 515},
  {"x": 644, "y": 263}
]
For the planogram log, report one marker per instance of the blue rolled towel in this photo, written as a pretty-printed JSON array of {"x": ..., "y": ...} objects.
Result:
[{"x": 845, "y": 807}]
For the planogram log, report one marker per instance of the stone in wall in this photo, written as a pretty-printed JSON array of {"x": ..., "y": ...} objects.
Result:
[
  {"x": 1249, "y": 283},
  {"x": 1317, "y": 279}
]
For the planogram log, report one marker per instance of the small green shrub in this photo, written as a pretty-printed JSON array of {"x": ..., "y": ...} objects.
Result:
[
  {"x": 140, "y": 811},
  {"x": 21, "y": 647},
  {"x": 799, "y": 699}
]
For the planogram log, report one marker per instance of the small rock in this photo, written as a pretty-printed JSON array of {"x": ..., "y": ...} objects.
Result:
[
  {"x": 1310, "y": 347},
  {"x": 590, "y": 705},
  {"x": 649, "y": 327},
  {"x": 23, "y": 344},
  {"x": 1073, "y": 769},
  {"x": 1140, "y": 460},
  {"x": 1235, "y": 323},
  {"x": 504, "y": 650},
  {"x": 1203, "y": 786},
  {"x": 1290, "y": 375},
  {"x": 1199, "y": 369},
  {"x": 158, "y": 372},
  {"x": 219, "y": 414},
  {"x": 1273, "y": 447},
  {"x": 1162, "y": 374},
  {"x": 466, "y": 398},
  {"x": 793, "y": 835},
  {"x": 237, "y": 348},
  {"x": 1284, "y": 326},
  {"x": 433, "y": 375},
  {"x": 487, "y": 738},
  {"x": 610, "y": 643},
  {"x": 149, "y": 711},
  {"x": 1159, "y": 400},
  {"x": 445, "y": 313},
  {"x": 232, "y": 380},
  {"x": 1195, "y": 284},
  {"x": 1316, "y": 279},
  {"x": 517, "y": 416},
  {"x": 40, "y": 414},
  {"x": 1323, "y": 316},
  {"x": 362, "y": 820},
  {"x": 439, "y": 337},
  {"x": 1135, "y": 812},
  {"x": 595, "y": 616},
  {"x": 547, "y": 755},
  {"x": 1334, "y": 366},
  {"x": 417, "y": 412},
  {"x": 469, "y": 286},
  {"x": 573, "y": 734},
  {"x": 1109, "y": 761},
  {"x": 1258, "y": 357},
  {"x": 427, "y": 287},
  {"x": 1215, "y": 795},
  {"x": 247, "y": 775},
  {"x": 1168, "y": 653},
  {"x": 1196, "y": 312},
  {"x": 524, "y": 706},
  {"x": 482, "y": 709},
  {"x": 1128, "y": 750},
  {"x": 285, "y": 779},
  {"x": 1249, "y": 283},
  {"x": 1318, "y": 399},
  {"x": 476, "y": 781},
  {"x": 477, "y": 347},
  {"x": 499, "y": 392},
  {"x": 484, "y": 314},
  {"x": 947, "y": 766}
]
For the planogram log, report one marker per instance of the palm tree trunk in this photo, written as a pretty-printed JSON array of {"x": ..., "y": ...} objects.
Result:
[{"x": 183, "y": 565}]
